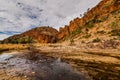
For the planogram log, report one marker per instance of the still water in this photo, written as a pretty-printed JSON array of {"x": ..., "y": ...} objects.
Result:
[{"x": 44, "y": 68}]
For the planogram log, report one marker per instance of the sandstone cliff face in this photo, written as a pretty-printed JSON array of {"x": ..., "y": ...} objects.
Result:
[
  {"x": 103, "y": 8},
  {"x": 40, "y": 34},
  {"x": 63, "y": 32},
  {"x": 43, "y": 34}
]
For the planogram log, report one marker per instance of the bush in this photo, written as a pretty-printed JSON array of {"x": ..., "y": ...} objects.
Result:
[
  {"x": 96, "y": 40},
  {"x": 101, "y": 32},
  {"x": 17, "y": 40},
  {"x": 96, "y": 20},
  {"x": 87, "y": 36},
  {"x": 114, "y": 25},
  {"x": 89, "y": 24},
  {"x": 115, "y": 32},
  {"x": 76, "y": 31},
  {"x": 115, "y": 29}
]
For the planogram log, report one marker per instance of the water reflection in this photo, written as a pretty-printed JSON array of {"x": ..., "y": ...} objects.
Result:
[
  {"x": 3, "y": 57},
  {"x": 42, "y": 69}
]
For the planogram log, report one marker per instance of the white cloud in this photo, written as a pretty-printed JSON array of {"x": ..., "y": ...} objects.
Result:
[
  {"x": 21, "y": 15},
  {"x": 3, "y": 36}
]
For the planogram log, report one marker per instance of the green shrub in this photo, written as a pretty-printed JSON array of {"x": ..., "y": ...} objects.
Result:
[
  {"x": 104, "y": 18},
  {"x": 87, "y": 36},
  {"x": 89, "y": 24},
  {"x": 115, "y": 32},
  {"x": 95, "y": 20},
  {"x": 96, "y": 40},
  {"x": 76, "y": 31},
  {"x": 101, "y": 32},
  {"x": 17, "y": 40},
  {"x": 115, "y": 29},
  {"x": 114, "y": 25}
]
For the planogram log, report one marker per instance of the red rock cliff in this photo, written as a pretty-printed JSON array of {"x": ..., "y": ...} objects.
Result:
[
  {"x": 103, "y": 8},
  {"x": 39, "y": 34}
]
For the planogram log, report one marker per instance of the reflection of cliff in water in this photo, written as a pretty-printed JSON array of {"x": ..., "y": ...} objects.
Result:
[{"x": 42, "y": 69}]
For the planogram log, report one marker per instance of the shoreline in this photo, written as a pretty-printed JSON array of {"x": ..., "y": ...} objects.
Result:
[{"x": 94, "y": 62}]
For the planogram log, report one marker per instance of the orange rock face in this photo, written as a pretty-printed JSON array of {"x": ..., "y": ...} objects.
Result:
[
  {"x": 40, "y": 34},
  {"x": 63, "y": 32},
  {"x": 103, "y": 8},
  {"x": 43, "y": 34}
]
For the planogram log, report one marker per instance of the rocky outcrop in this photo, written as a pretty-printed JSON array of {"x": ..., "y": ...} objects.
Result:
[
  {"x": 63, "y": 32},
  {"x": 39, "y": 34},
  {"x": 103, "y": 8},
  {"x": 43, "y": 34}
]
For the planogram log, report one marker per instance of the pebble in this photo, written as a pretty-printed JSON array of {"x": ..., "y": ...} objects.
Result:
[{"x": 33, "y": 72}]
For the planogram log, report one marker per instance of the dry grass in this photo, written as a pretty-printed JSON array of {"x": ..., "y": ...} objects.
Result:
[{"x": 7, "y": 47}]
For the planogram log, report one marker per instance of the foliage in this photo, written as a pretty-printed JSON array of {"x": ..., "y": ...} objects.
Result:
[
  {"x": 22, "y": 40},
  {"x": 89, "y": 24},
  {"x": 87, "y": 36},
  {"x": 115, "y": 29},
  {"x": 115, "y": 32},
  {"x": 96, "y": 40},
  {"x": 114, "y": 25},
  {"x": 115, "y": 12},
  {"x": 76, "y": 31},
  {"x": 101, "y": 32},
  {"x": 96, "y": 20}
]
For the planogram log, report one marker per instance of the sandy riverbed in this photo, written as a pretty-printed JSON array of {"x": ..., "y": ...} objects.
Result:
[
  {"x": 18, "y": 66},
  {"x": 75, "y": 63},
  {"x": 100, "y": 64}
]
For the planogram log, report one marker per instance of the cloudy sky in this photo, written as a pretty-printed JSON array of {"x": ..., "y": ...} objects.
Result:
[{"x": 17, "y": 16}]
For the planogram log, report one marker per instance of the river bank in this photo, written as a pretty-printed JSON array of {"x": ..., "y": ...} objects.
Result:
[
  {"x": 19, "y": 66},
  {"x": 99, "y": 64},
  {"x": 93, "y": 63}
]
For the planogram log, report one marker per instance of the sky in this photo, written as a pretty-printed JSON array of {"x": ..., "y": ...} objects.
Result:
[{"x": 17, "y": 16}]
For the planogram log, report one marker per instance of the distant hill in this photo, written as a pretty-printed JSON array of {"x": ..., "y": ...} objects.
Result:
[{"x": 40, "y": 34}]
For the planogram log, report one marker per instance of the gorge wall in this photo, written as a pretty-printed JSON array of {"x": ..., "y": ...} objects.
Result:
[{"x": 103, "y": 8}]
